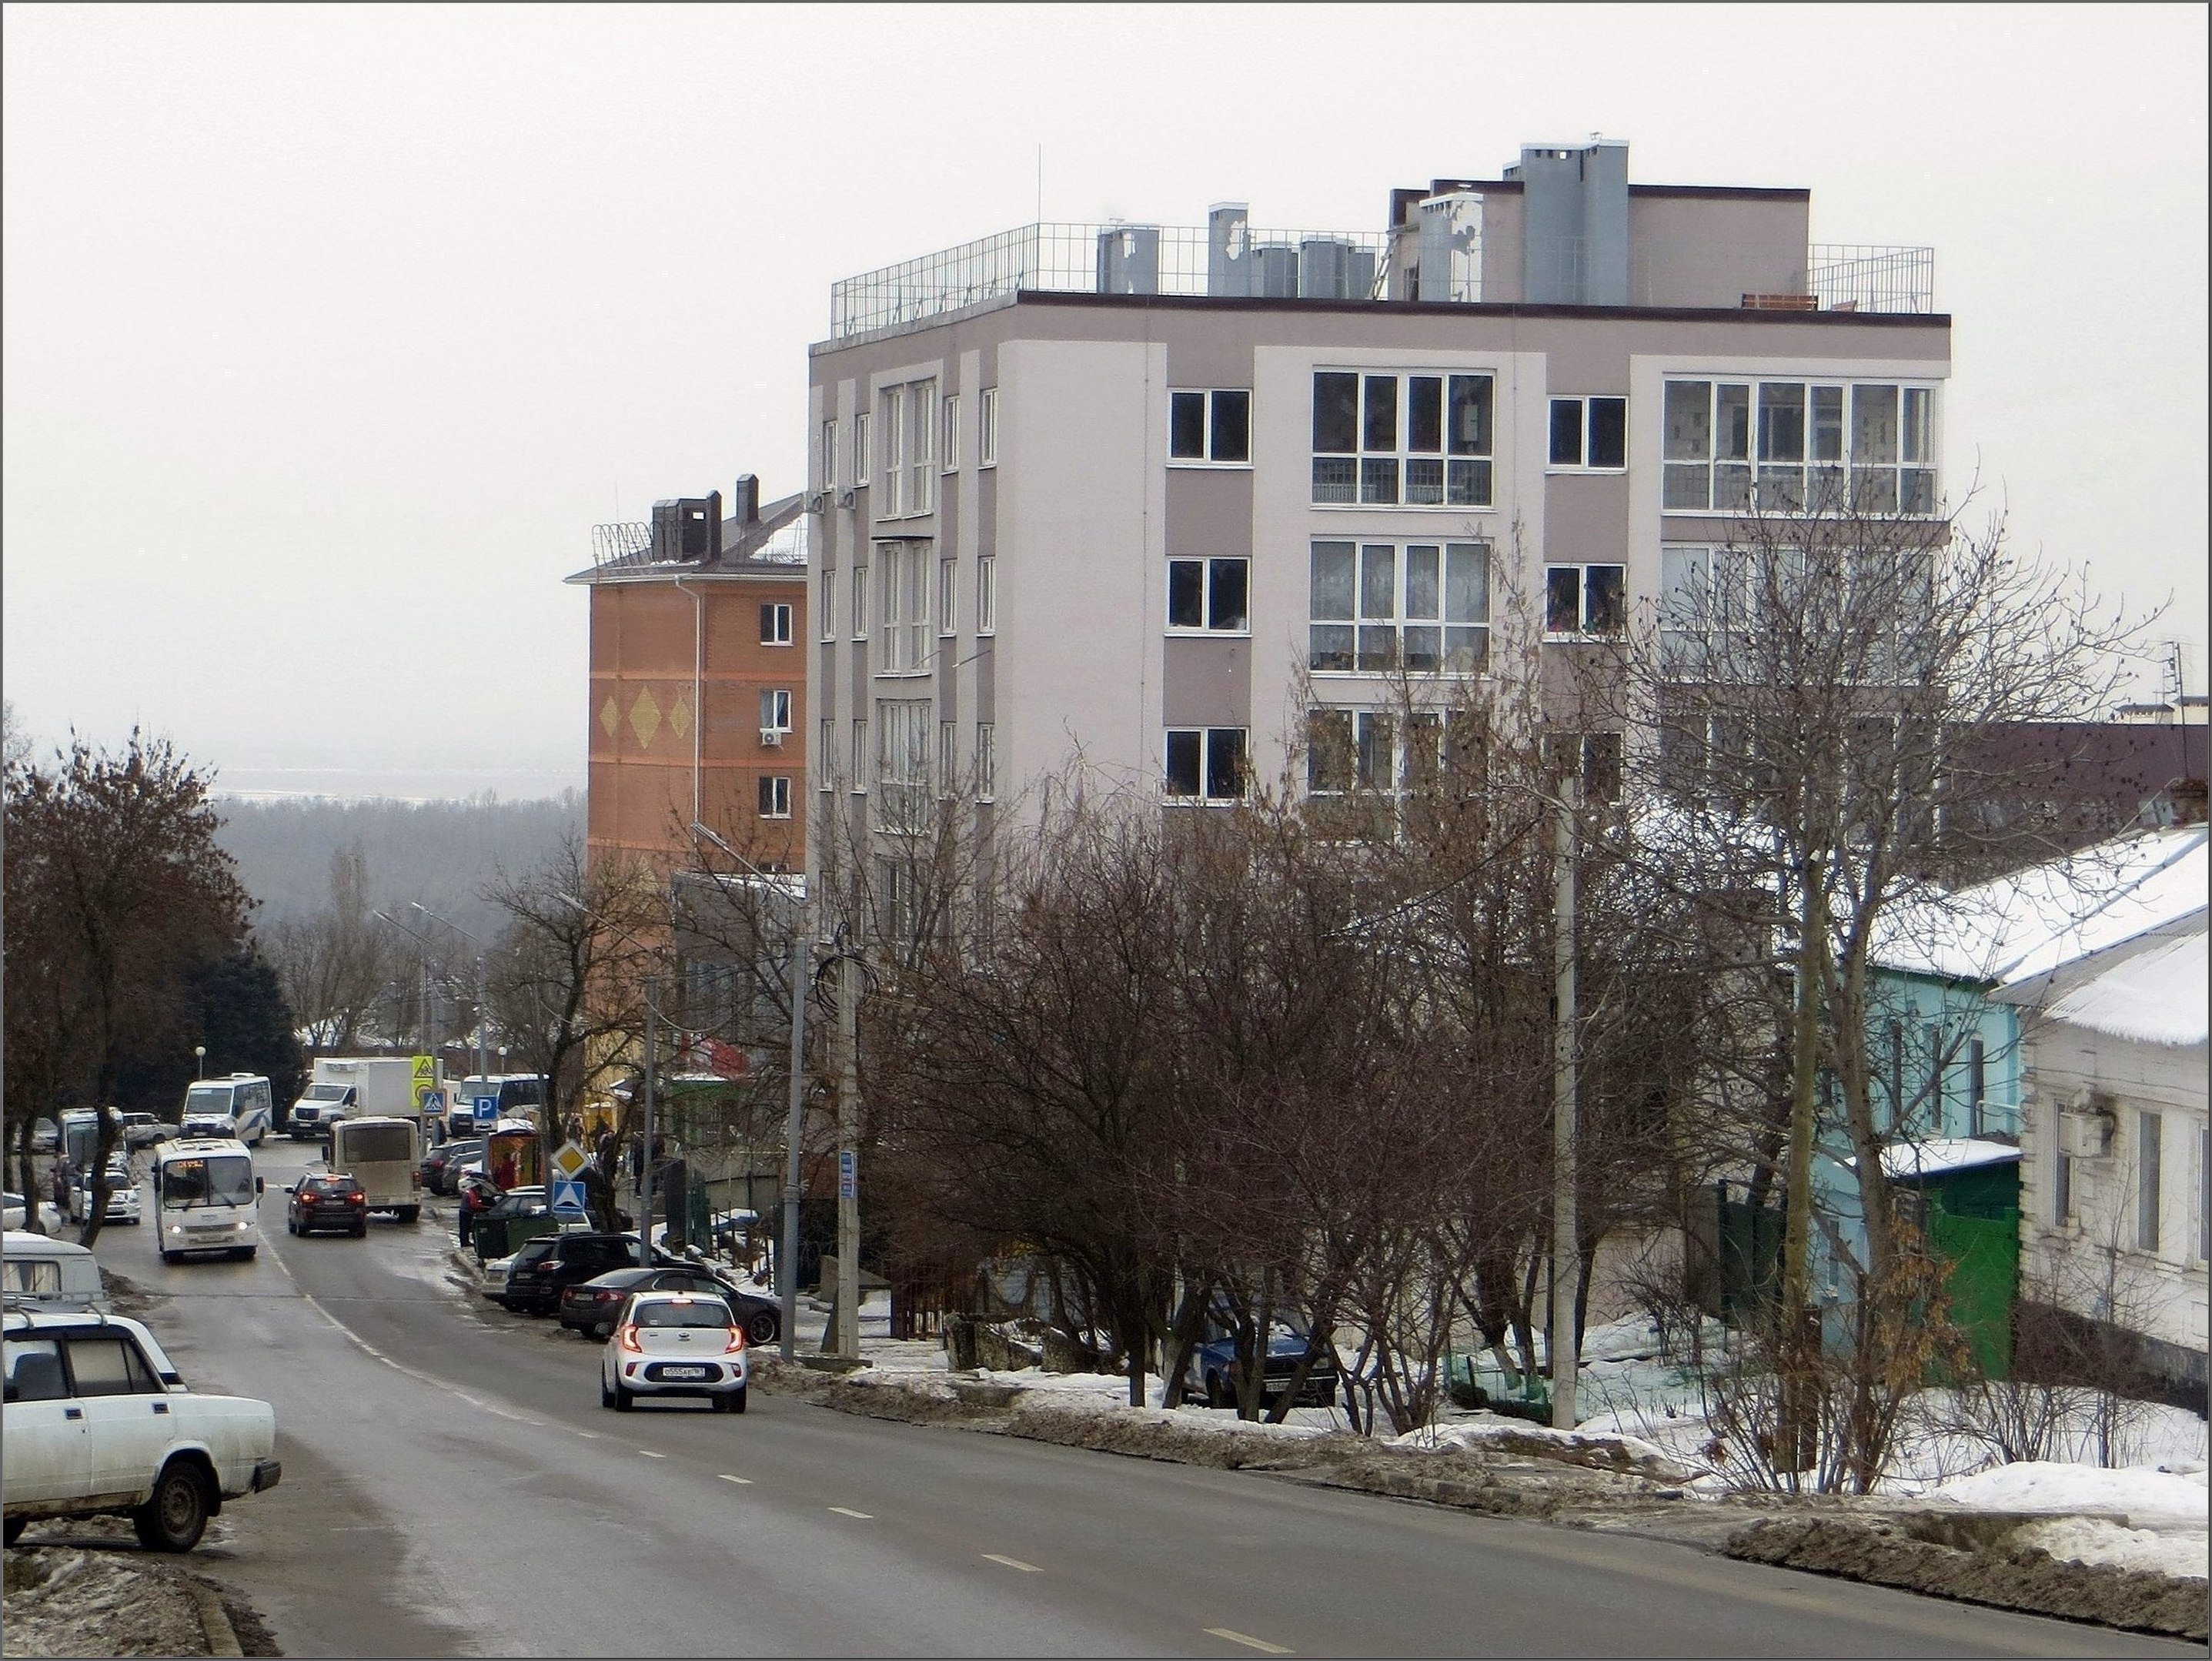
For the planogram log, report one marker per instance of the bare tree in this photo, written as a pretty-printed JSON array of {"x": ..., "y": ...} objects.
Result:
[{"x": 334, "y": 963}]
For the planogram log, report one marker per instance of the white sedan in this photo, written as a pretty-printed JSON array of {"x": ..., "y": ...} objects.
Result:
[
  {"x": 14, "y": 1213},
  {"x": 675, "y": 1344}
]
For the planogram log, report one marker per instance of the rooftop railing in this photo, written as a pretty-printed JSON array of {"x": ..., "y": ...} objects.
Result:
[{"x": 1189, "y": 260}]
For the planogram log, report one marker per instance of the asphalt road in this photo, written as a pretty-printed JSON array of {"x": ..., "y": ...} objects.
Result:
[{"x": 452, "y": 1486}]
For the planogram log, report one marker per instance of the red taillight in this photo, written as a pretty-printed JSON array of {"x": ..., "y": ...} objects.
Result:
[
  {"x": 628, "y": 1339},
  {"x": 358, "y": 1199},
  {"x": 736, "y": 1341}
]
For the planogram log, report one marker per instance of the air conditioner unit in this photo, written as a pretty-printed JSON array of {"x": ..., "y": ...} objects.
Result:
[
  {"x": 848, "y": 497},
  {"x": 817, "y": 501},
  {"x": 772, "y": 737},
  {"x": 2085, "y": 1126}
]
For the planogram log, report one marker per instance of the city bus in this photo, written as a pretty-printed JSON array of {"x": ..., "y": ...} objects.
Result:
[{"x": 206, "y": 1198}]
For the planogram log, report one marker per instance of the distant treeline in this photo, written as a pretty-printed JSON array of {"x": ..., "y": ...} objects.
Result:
[{"x": 437, "y": 853}]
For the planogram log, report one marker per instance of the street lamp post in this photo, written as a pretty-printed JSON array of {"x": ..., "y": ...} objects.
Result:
[
  {"x": 199, "y": 1060},
  {"x": 787, "y": 1256},
  {"x": 482, "y": 1011}
]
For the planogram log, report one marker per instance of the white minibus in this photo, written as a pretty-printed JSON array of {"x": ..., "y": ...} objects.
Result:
[
  {"x": 382, "y": 1155},
  {"x": 242, "y": 1102},
  {"x": 206, "y": 1198}
]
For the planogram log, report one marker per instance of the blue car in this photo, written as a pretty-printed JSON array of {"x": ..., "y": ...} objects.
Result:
[{"x": 1217, "y": 1368}]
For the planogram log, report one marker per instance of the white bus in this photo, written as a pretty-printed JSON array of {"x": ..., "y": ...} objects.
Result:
[
  {"x": 381, "y": 1155},
  {"x": 242, "y": 1102},
  {"x": 206, "y": 1198}
]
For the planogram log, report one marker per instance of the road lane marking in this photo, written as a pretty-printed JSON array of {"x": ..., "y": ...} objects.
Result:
[
  {"x": 649, "y": 1454},
  {"x": 1012, "y": 1563},
  {"x": 1258, "y": 1644},
  {"x": 589, "y": 1435},
  {"x": 745, "y": 1482},
  {"x": 846, "y": 1511}
]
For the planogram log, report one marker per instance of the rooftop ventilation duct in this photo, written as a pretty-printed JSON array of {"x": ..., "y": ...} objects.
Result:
[
  {"x": 1129, "y": 259},
  {"x": 1228, "y": 249}
]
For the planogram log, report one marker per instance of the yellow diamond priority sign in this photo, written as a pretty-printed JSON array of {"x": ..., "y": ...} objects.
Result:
[{"x": 570, "y": 1160}]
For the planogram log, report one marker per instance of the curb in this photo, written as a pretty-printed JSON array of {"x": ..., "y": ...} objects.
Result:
[{"x": 222, "y": 1637}]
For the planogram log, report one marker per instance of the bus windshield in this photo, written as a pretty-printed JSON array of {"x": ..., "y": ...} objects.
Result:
[
  {"x": 218, "y": 1179},
  {"x": 208, "y": 1098}
]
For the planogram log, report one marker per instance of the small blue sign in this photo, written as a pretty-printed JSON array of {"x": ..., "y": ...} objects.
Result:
[
  {"x": 848, "y": 1174},
  {"x": 485, "y": 1108},
  {"x": 434, "y": 1103},
  {"x": 568, "y": 1196}
]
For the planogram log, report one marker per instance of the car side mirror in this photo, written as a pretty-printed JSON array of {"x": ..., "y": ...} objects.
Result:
[{"x": 259, "y": 1186}]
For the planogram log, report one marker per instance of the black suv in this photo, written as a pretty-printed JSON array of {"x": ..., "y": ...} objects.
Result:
[
  {"x": 331, "y": 1201},
  {"x": 551, "y": 1263}
]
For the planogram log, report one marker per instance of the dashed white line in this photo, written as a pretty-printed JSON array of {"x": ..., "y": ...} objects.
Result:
[
  {"x": 647, "y": 1453},
  {"x": 743, "y": 1482},
  {"x": 846, "y": 1511},
  {"x": 1012, "y": 1563},
  {"x": 1248, "y": 1641}
]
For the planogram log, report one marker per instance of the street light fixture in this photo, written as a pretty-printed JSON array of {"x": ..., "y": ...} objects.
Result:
[
  {"x": 483, "y": 1006},
  {"x": 787, "y": 1256},
  {"x": 199, "y": 1059}
]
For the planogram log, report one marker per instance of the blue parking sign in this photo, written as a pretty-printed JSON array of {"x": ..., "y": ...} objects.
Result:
[{"x": 485, "y": 1108}]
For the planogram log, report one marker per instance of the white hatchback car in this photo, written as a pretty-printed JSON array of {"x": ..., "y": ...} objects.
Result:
[{"x": 675, "y": 1344}]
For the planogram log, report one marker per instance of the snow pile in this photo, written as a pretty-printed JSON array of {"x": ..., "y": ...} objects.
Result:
[
  {"x": 2145, "y": 1493},
  {"x": 2093, "y": 1540},
  {"x": 1600, "y": 1450}
]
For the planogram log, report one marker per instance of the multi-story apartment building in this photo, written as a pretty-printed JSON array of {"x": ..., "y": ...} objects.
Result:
[
  {"x": 698, "y": 680},
  {"x": 1174, "y": 495}
]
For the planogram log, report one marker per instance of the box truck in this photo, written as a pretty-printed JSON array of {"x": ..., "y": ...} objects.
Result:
[{"x": 356, "y": 1087}]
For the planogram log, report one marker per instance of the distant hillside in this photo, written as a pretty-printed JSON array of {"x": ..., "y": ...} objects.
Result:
[{"x": 438, "y": 853}]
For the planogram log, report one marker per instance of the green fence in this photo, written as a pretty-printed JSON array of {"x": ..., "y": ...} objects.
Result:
[
  {"x": 1984, "y": 1258},
  {"x": 1750, "y": 1255}
]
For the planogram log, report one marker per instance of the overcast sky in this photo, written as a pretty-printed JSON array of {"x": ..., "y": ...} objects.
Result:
[{"x": 331, "y": 332}]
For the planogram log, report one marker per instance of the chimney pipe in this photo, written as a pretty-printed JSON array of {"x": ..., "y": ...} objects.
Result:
[{"x": 744, "y": 501}]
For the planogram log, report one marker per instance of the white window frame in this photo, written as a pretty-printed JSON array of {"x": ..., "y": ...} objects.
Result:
[
  {"x": 948, "y": 598},
  {"x": 1401, "y": 618},
  {"x": 986, "y": 760},
  {"x": 1209, "y": 401},
  {"x": 948, "y": 430},
  {"x": 857, "y": 602},
  {"x": 987, "y": 595},
  {"x": 904, "y": 772},
  {"x": 1467, "y": 470},
  {"x": 826, "y": 763},
  {"x": 776, "y": 708},
  {"x": 1210, "y": 622},
  {"x": 773, "y": 793},
  {"x": 2150, "y": 1232},
  {"x": 864, "y": 759},
  {"x": 904, "y": 570},
  {"x": 860, "y": 456},
  {"x": 826, "y": 604},
  {"x": 987, "y": 427},
  {"x": 828, "y": 456},
  {"x": 948, "y": 758},
  {"x": 1206, "y": 739},
  {"x": 1586, "y": 433},
  {"x": 1758, "y": 460},
  {"x": 778, "y": 622},
  {"x": 1583, "y": 628}
]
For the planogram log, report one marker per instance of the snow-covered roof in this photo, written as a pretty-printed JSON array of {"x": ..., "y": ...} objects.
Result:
[
  {"x": 2156, "y": 995},
  {"x": 1938, "y": 1154},
  {"x": 2036, "y": 921}
]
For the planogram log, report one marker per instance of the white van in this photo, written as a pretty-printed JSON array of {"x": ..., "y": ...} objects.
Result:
[
  {"x": 39, "y": 1272},
  {"x": 382, "y": 1155},
  {"x": 242, "y": 1103},
  {"x": 206, "y": 1198}
]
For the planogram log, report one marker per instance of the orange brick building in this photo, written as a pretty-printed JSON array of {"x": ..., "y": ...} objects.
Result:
[{"x": 698, "y": 680}]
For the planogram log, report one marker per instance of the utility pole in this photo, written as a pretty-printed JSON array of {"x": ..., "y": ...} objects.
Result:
[
  {"x": 1566, "y": 1248},
  {"x": 644, "y": 1164},
  {"x": 786, "y": 1256},
  {"x": 848, "y": 1156}
]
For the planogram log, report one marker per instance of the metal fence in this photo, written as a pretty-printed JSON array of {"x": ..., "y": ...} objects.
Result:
[
  {"x": 1862, "y": 276},
  {"x": 1107, "y": 258}
]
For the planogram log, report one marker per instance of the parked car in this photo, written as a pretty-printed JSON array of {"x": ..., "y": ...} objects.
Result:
[
  {"x": 589, "y": 1308},
  {"x": 1217, "y": 1365},
  {"x": 46, "y": 1136},
  {"x": 97, "y": 1421},
  {"x": 552, "y": 1262},
  {"x": 18, "y": 1213},
  {"x": 333, "y": 1200},
  {"x": 440, "y": 1170},
  {"x": 144, "y": 1130},
  {"x": 674, "y": 1343},
  {"x": 122, "y": 1193}
]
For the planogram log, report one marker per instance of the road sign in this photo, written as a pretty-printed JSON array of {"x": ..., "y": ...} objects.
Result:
[
  {"x": 433, "y": 1103},
  {"x": 426, "y": 1069},
  {"x": 848, "y": 1175},
  {"x": 570, "y": 1160},
  {"x": 567, "y": 1198},
  {"x": 484, "y": 1109}
]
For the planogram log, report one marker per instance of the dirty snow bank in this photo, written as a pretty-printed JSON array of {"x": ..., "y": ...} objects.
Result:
[{"x": 61, "y": 1601}]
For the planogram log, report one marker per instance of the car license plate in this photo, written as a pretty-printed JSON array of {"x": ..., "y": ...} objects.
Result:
[
  {"x": 683, "y": 1372},
  {"x": 207, "y": 1222}
]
